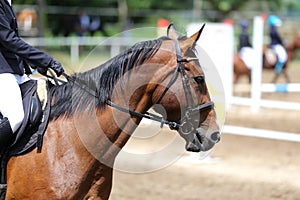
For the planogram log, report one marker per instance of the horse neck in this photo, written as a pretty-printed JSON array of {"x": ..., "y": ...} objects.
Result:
[
  {"x": 106, "y": 130},
  {"x": 135, "y": 94},
  {"x": 111, "y": 128}
]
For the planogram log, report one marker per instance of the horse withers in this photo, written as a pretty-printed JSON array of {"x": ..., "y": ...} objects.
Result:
[{"x": 94, "y": 114}]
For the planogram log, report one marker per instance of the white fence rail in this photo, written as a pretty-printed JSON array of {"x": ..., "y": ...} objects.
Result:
[
  {"x": 261, "y": 133},
  {"x": 75, "y": 42},
  {"x": 291, "y": 87}
]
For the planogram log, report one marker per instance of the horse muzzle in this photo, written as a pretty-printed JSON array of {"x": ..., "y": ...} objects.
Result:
[{"x": 201, "y": 139}]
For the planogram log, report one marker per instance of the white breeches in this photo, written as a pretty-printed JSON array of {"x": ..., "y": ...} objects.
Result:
[
  {"x": 280, "y": 52},
  {"x": 247, "y": 54},
  {"x": 11, "y": 105}
]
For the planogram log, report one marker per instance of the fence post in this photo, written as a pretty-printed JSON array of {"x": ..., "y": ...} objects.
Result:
[
  {"x": 115, "y": 47},
  {"x": 256, "y": 72},
  {"x": 74, "y": 51}
]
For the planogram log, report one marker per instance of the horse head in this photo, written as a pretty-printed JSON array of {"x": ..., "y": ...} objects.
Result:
[
  {"x": 183, "y": 94},
  {"x": 164, "y": 74}
]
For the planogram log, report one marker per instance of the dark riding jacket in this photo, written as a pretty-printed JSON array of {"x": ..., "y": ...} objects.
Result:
[
  {"x": 275, "y": 37},
  {"x": 244, "y": 40},
  {"x": 15, "y": 54}
]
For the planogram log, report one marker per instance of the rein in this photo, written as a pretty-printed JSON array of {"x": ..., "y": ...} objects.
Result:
[
  {"x": 185, "y": 125},
  {"x": 84, "y": 87}
]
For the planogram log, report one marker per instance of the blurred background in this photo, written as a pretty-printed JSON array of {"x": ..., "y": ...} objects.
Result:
[
  {"x": 64, "y": 18},
  {"x": 104, "y": 18},
  {"x": 58, "y": 17}
]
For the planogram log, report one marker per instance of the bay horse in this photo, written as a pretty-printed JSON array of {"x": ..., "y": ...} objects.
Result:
[
  {"x": 240, "y": 68},
  {"x": 94, "y": 114}
]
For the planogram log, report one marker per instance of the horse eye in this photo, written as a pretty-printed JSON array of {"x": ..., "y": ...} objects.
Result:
[{"x": 199, "y": 79}]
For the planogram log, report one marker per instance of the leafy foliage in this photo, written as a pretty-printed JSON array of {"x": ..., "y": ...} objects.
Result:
[{"x": 146, "y": 10}]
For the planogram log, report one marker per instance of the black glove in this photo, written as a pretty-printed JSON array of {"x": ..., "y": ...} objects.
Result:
[
  {"x": 57, "y": 67},
  {"x": 42, "y": 70}
]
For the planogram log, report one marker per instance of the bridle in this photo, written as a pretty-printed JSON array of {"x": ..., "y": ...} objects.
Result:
[{"x": 184, "y": 125}]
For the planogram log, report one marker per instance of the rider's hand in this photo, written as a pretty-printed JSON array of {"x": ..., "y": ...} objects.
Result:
[
  {"x": 42, "y": 70},
  {"x": 57, "y": 67}
]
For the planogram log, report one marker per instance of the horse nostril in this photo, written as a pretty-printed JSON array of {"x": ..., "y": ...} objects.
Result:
[{"x": 215, "y": 136}]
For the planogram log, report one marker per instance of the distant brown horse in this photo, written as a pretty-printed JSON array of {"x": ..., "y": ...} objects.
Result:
[
  {"x": 240, "y": 68},
  {"x": 27, "y": 22},
  {"x": 93, "y": 116}
]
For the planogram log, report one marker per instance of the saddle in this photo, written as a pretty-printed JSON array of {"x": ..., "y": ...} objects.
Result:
[{"x": 30, "y": 133}]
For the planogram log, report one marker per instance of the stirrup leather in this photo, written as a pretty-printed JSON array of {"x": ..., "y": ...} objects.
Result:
[{"x": 5, "y": 133}]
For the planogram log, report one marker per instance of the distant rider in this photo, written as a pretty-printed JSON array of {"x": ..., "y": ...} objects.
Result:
[
  {"x": 277, "y": 43},
  {"x": 245, "y": 48}
]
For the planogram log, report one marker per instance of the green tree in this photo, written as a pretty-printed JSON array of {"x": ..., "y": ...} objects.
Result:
[
  {"x": 141, "y": 10},
  {"x": 225, "y": 7}
]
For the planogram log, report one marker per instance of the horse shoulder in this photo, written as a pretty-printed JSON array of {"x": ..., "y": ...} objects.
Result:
[{"x": 58, "y": 172}]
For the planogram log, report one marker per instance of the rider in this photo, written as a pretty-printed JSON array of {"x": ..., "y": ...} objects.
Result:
[
  {"x": 276, "y": 43},
  {"x": 245, "y": 48},
  {"x": 15, "y": 57}
]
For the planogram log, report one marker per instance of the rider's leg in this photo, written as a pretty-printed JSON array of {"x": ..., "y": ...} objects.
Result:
[
  {"x": 11, "y": 105},
  {"x": 281, "y": 56},
  {"x": 278, "y": 67}
]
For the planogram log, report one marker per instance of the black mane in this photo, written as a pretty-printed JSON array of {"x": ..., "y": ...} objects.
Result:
[{"x": 70, "y": 97}]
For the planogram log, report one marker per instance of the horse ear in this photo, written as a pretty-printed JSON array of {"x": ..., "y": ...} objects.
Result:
[
  {"x": 171, "y": 33},
  {"x": 192, "y": 40}
]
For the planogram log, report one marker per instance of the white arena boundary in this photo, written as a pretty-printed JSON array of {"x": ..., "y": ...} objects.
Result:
[
  {"x": 261, "y": 133},
  {"x": 283, "y": 105},
  {"x": 291, "y": 87},
  {"x": 269, "y": 87}
]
